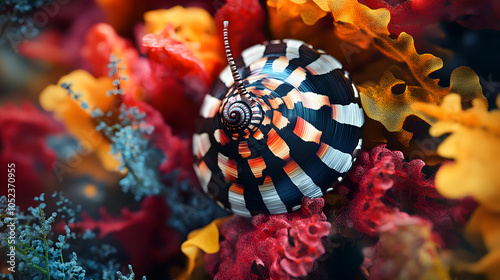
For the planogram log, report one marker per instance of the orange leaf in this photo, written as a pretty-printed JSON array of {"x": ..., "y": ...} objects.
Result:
[{"x": 78, "y": 120}]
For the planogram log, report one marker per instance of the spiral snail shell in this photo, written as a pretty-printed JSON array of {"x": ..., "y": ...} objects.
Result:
[{"x": 290, "y": 126}]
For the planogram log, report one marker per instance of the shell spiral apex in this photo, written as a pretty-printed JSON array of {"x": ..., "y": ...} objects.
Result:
[{"x": 282, "y": 122}]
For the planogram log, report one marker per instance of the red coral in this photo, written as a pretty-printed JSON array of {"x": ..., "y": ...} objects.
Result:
[
  {"x": 23, "y": 142},
  {"x": 388, "y": 184},
  {"x": 271, "y": 246},
  {"x": 246, "y": 19},
  {"x": 177, "y": 81},
  {"x": 367, "y": 211},
  {"x": 101, "y": 41},
  {"x": 153, "y": 244}
]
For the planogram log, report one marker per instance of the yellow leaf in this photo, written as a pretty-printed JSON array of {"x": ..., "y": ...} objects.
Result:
[
  {"x": 486, "y": 224},
  {"x": 205, "y": 239}
]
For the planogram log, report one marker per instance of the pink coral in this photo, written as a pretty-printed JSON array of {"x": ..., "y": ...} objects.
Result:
[
  {"x": 407, "y": 249},
  {"x": 387, "y": 184},
  {"x": 281, "y": 246}
]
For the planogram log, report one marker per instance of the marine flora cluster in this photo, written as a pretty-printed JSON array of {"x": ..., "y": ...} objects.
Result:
[{"x": 109, "y": 92}]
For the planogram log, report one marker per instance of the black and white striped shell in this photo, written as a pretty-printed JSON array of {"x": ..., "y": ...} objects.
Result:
[{"x": 301, "y": 138}]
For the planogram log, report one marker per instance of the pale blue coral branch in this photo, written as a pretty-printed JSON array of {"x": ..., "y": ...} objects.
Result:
[{"x": 130, "y": 277}]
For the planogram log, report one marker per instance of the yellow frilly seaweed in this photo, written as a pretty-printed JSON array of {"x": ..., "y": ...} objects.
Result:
[
  {"x": 78, "y": 120},
  {"x": 474, "y": 144},
  {"x": 381, "y": 104}
]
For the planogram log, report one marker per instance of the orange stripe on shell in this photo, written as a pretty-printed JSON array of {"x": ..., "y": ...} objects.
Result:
[
  {"x": 243, "y": 149},
  {"x": 257, "y": 165},
  {"x": 235, "y": 188},
  {"x": 306, "y": 131},
  {"x": 221, "y": 137},
  {"x": 228, "y": 167},
  {"x": 279, "y": 121},
  {"x": 277, "y": 145}
]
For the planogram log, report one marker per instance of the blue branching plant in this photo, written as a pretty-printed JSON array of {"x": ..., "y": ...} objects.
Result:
[
  {"x": 114, "y": 69},
  {"x": 75, "y": 95},
  {"x": 100, "y": 260},
  {"x": 135, "y": 152},
  {"x": 130, "y": 143},
  {"x": 39, "y": 253}
]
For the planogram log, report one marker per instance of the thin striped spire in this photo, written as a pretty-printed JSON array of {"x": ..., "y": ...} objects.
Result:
[{"x": 234, "y": 71}]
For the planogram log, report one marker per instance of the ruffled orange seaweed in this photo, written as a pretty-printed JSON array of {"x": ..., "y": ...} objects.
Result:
[
  {"x": 474, "y": 144},
  {"x": 364, "y": 28},
  {"x": 78, "y": 120},
  {"x": 381, "y": 104},
  {"x": 309, "y": 11}
]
